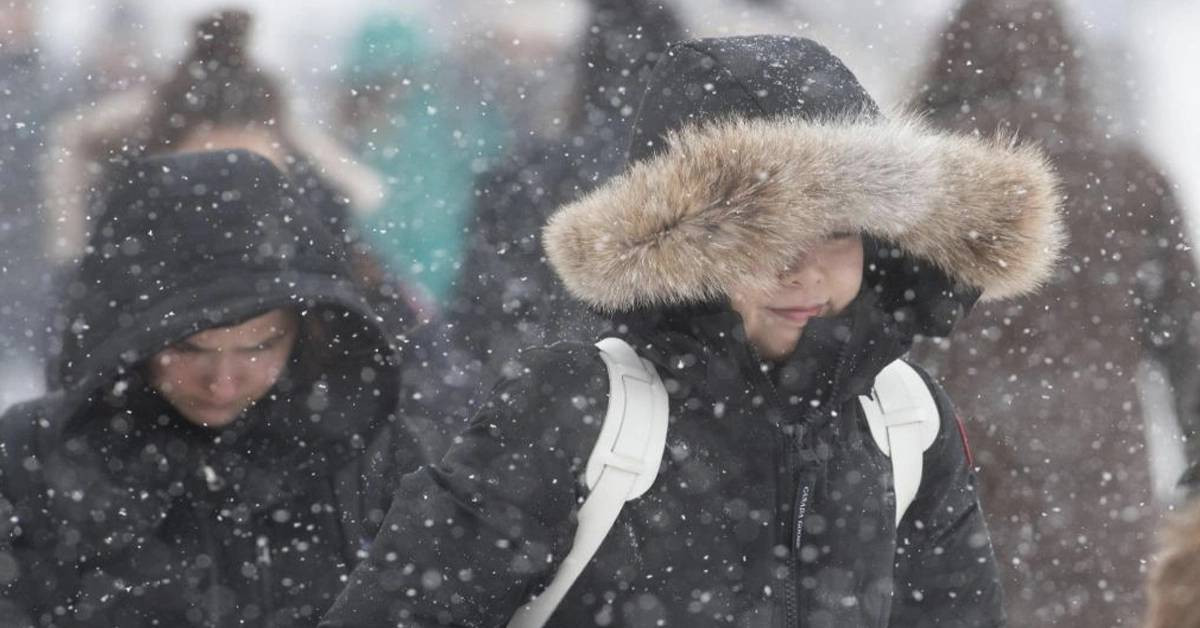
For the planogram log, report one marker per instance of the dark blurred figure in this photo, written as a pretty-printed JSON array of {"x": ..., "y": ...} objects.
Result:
[
  {"x": 1049, "y": 384},
  {"x": 25, "y": 101},
  {"x": 506, "y": 297},
  {"x": 219, "y": 97}
]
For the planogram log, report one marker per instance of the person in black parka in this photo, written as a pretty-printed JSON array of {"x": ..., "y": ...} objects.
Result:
[
  {"x": 229, "y": 399},
  {"x": 773, "y": 244}
]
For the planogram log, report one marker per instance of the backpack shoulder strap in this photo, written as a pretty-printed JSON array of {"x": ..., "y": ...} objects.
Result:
[
  {"x": 904, "y": 421},
  {"x": 622, "y": 467}
]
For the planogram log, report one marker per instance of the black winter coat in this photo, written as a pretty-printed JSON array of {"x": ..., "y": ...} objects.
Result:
[
  {"x": 766, "y": 512},
  {"x": 119, "y": 512}
]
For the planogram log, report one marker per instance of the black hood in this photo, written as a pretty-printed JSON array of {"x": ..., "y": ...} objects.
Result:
[
  {"x": 192, "y": 241},
  {"x": 750, "y": 77}
]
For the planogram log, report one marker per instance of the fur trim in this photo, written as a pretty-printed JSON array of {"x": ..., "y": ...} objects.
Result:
[{"x": 729, "y": 204}]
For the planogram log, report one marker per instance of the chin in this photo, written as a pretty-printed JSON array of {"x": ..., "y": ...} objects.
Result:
[
  {"x": 211, "y": 420},
  {"x": 787, "y": 343},
  {"x": 777, "y": 351}
]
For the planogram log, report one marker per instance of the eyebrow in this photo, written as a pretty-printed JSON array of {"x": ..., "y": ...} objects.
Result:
[{"x": 189, "y": 346}]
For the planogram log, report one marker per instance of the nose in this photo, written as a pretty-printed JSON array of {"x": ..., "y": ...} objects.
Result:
[
  {"x": 223, "y": 380},
  {"x": 803, "y": 273}
]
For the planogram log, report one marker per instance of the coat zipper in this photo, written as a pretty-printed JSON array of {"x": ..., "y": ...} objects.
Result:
[
  {"x": 802, "y": 484},
  {"x": 214, "y": 571},
  {"x": 791, "y": 601},
  {"x": 262, "y": 547},
  {"x": 796, "y": 531}
]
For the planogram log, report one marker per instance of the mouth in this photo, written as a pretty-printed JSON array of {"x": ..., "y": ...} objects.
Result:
[{"x": 799, "y": 315}]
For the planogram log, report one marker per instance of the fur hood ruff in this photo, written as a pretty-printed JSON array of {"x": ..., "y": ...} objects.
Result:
[{"x": 728, "y": 205}]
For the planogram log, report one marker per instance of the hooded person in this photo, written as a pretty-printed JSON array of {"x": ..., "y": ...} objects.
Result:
[
  {"x": 218, "y": 96},
  {"x": 773, "y": 243},
  {"x": 1049, "y": 383},
  {"x": 228, "y": 396}
]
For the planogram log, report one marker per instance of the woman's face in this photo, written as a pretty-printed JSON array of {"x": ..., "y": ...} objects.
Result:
[
  {"x": 211, "y": 377},
  {"x": 822, "y": 282}
]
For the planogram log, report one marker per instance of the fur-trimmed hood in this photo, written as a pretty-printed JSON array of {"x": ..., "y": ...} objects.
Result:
[{"x": 727, "y": 205}]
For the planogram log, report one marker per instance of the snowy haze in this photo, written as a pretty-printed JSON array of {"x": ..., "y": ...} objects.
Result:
[
  {"x": 886, "y": 42},
  {"x": 1147, "y": 50},
  {"x": 485, "y": 132}
]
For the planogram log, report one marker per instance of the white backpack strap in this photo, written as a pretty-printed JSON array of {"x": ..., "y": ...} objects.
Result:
[
  {"x": 623, "y": 465},
  {"x": 904, "y": 422}
]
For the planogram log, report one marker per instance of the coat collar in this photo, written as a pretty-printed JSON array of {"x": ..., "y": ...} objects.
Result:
[{"x": 704, "y": 350}]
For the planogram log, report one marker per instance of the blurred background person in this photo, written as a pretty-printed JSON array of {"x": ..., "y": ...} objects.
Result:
[
  {"x": 217, "y": 95},
  {"x": 1063, "y": 451},
  {"x": 506, "y": 297},
  {"x": 407, "y": 117}
]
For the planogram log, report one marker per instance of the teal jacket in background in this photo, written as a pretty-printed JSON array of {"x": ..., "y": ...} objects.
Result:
[{"x": 429, "y": 139}]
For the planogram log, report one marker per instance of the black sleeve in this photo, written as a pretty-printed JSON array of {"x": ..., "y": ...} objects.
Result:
[
  {"x": 497, "y": 304},
  {"x": 35, "y": 575},
  {"x": 469, "y": 540},
  {"x": 64, "y": 518},
  {"x": 946, "y": 572},
  {"x": 15, "y": 600}
]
